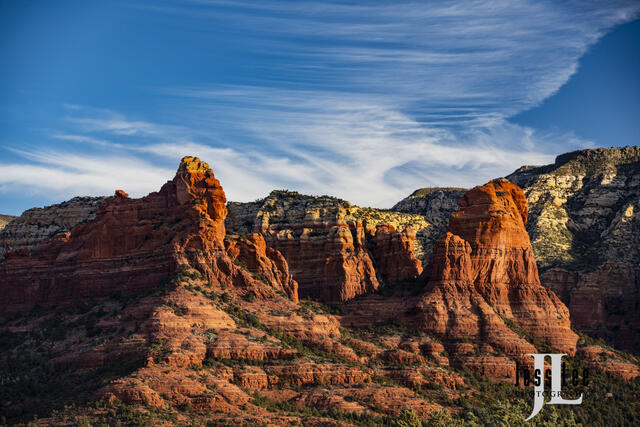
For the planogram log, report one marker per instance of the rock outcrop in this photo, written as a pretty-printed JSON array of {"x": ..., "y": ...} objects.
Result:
[
  {"x": 330, "y": 245},
  {"x": 435, "y": 204},
  {"x": 584, "y": 229},
  {"x": 36, "y": 225},
  {"x": 152, "y": 304},
  {"x": 395, "y": 259},
  {"x": 131, "y": 245},
  {"x": 267, "y": 263},
  {"x": 432, "y": 202},
  {"x": 4, "y": 220},
  {"x": 153, "y": 308},
  {"x": 585, "y": 232},
  {"x": 483, "y": 285},
  {"x": 325, "y": 248}
]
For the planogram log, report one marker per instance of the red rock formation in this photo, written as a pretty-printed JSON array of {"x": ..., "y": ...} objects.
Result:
[
  {"x": 195, "y": 344},
  {"x": 311, "y": 373},
  {"x": 331, "y": 245},
  {"x": 329, "y": 260},
  {"x": 422, "y": 376},
  {"x": 36, "y": 225},
  {"x": 394, "y": 254},
  {"x": 483, "y": 283},
  {"x": 265, "y": 262},
  {"x": 132, "y": 245}
]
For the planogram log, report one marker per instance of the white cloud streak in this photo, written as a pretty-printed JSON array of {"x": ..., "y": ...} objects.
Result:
[
  {"x": 63, "y": 175},
  {"x": 499, "y": 56},
  {"x": 364, "y": 101},
  {"x": 365, "y": 154}
]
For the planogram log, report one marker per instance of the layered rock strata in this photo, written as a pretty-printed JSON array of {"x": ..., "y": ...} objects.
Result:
[
  {"x": 131, "y": 245},
  {"x": 325, "y": 249},
  {"x": 483, "y": 285},
  {"x": 333, "y": 249},
  {"x": 267, "y": 263},
  {"x": 225, "y": 341},
  {"x": 36, "y": 225},
  {"x": 395, "y": 259},
  {"x": 435, "y": 204},
  {"x": 585, "y": 232}
]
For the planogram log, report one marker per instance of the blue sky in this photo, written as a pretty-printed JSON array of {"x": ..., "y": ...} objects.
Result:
[{"x": 361, "y": 100}]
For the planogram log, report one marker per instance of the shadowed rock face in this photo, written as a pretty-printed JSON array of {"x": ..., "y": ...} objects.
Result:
[
  {"x": 483, "y": 275},
  {"x": 130, "y": 245},
  {"x": 323, "y": 245},
  {"x": 395, "y": 259},
  {"x": 268, "y": 263},
  {"x": 585, "y": 231}
]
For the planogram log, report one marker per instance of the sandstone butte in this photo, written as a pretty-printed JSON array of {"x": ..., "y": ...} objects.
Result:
[
  {"x": 132, "y": 245},
  {"x": 330, "y": 259},
  {"x": 210, "y": 320},
  {"x": 483, "y": 278},
  {"x": 333, "y": 261}
]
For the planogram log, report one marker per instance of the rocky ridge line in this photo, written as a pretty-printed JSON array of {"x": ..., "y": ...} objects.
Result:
[
  {"x": 331, "y": 246},
  {"x": 133, "y": 244},
  {"x": 36, "y": 225},
  {"x": 585, "y": 232}
]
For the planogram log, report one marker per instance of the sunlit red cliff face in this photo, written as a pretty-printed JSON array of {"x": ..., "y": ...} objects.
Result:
[
  {"x": 483, "y": 275},
  {"x": 335, "y": 250},
  {"x": 329, "y": 259},
  {"x": 133, "y": 245}
]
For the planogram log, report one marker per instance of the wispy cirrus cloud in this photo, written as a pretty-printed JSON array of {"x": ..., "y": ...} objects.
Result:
[
  {"x": 489, "y": 56},
  {"x": 358, "y": 151},
  {"x": 64, "y": 174},
  {"x": 365, "y": 101}
]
